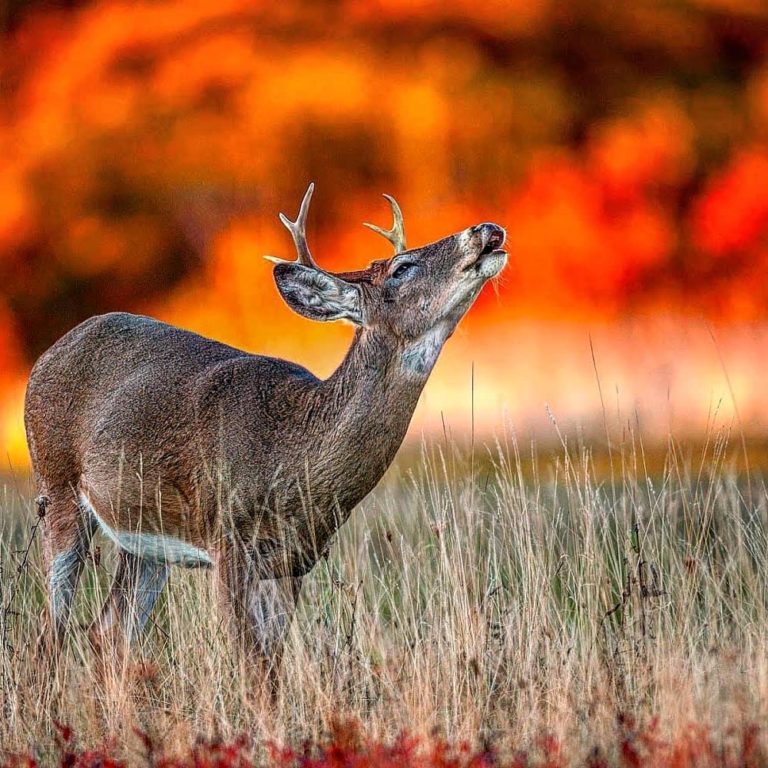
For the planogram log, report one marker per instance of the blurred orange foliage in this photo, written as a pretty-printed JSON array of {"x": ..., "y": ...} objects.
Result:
[{"x": 146, "y": 147}]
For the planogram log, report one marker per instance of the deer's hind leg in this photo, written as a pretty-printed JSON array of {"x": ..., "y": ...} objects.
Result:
[
  {"x": 67, "y": 530},
  {"x": 137, "y": 585}
]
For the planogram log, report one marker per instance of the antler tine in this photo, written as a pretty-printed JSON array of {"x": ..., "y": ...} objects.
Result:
[
  {"x": 298, "y": 230},
  {"x": 396, "y": 235}
]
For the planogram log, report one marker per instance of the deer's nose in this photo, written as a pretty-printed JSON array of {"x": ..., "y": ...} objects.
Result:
[{"x": 492, "y": 236}]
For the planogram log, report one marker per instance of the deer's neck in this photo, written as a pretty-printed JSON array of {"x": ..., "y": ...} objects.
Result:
[{"x": 368, "y": 405}]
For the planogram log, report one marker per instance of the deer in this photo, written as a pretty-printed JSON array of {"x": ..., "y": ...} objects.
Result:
[{"x": 187, "y": 452}]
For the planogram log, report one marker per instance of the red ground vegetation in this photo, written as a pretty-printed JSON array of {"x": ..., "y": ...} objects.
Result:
[{"x": 347, "y": 747}]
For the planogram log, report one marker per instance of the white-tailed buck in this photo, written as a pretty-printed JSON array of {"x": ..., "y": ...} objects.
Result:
[{"x": 185, "y": 451}]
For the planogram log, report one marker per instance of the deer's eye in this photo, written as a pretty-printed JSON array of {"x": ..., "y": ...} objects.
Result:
[{"x": 403, "y": 269}]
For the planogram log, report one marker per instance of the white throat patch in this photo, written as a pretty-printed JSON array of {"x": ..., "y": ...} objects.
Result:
[{"x": 420, "y": 356}]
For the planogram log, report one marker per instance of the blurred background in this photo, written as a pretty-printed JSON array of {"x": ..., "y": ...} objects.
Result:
[{"x": 147, "y": 147}]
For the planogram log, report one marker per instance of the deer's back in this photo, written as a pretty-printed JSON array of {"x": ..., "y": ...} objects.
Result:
[{"x": 116, "y": 369}]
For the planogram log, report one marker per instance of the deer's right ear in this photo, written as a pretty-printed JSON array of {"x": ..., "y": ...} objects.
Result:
[{"x": 318, "y": 295}]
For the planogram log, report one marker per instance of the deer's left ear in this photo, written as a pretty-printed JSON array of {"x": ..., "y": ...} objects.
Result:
[{"x": 318, "y": 295}]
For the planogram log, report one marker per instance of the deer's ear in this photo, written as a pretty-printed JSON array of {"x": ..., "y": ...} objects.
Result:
[{"x": 318, "y": 295}]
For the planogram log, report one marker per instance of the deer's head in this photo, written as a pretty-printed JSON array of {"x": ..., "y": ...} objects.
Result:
[{"x": 417, "y": 296}]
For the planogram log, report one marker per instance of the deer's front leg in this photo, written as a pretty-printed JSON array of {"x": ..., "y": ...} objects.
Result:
[
  {"x": 270, "y": 605},
  {"x": 260, "y": 612}
]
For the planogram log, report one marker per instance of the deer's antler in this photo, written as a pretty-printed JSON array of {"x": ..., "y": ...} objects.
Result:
[
  {"x": 298, "y": 232},
  {"x": 396, "y": 235}
]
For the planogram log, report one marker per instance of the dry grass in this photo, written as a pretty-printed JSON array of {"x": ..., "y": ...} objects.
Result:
[{"x": 479, "y": 595}]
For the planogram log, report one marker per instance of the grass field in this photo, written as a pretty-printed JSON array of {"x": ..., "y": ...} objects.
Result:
[{"x": 479, "y": 594}]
